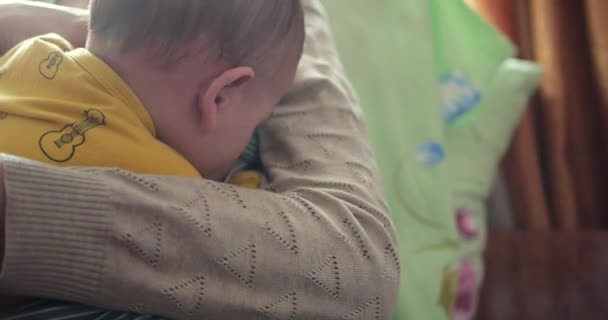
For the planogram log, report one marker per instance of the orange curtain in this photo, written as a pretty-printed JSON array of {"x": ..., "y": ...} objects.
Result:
[{"x": 555, "y": 168}]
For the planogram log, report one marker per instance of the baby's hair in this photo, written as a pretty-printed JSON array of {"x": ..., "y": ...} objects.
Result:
[{"x": 242, "y": 30}]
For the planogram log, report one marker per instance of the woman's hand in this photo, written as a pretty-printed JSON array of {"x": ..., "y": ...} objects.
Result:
[{"x": 22, "y": 20}]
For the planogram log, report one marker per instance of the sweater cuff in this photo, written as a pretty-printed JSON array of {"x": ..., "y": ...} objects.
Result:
[{"x": 56, "y": 231}]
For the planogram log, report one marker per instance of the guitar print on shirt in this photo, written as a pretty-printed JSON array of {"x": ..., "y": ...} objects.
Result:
[
  {"x": 49, "y": 67},
  {"x": 61, "y": 145}
]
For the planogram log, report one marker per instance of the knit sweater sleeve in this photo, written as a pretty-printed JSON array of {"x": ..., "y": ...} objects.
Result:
[{"x": 318, "y": 243}]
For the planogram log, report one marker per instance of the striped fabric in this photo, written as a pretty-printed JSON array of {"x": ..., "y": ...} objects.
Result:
[{"x": 56, "y": 310}]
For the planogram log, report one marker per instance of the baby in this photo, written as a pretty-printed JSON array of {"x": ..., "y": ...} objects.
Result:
[{"x": 163, "y": 87}]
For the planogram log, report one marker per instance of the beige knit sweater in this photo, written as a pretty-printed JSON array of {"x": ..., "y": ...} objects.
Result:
[{"x": 317, "y": 244}]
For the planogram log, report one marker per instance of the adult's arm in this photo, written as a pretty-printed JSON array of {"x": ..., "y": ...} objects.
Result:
[
  {"x": 29, "y": 19},
  {"x": 318, "y": 244}
]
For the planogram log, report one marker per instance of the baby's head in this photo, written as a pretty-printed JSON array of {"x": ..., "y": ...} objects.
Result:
[{"x": 208, "y": 71}]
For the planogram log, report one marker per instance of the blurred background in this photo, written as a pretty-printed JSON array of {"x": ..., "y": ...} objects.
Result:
[
  {"x": 545, "y": 251},
  {"x": 555, "y": 169},
  {"x": 548, "y": 258}
]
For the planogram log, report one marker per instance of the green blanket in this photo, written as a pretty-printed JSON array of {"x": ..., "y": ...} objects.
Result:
[{"x": 442, "y": 96}]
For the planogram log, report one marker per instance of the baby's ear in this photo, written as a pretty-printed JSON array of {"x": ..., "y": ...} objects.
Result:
[{"x": 220, "y": 92}]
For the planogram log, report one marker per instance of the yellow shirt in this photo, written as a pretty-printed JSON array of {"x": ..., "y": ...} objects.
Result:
[{"x": 68, "y": 108}]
